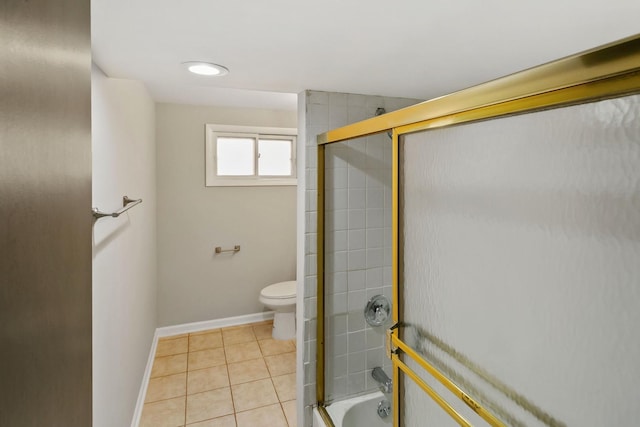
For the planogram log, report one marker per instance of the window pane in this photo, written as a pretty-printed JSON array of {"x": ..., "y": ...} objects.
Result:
[
  {"x": 235, "y": 156},
  {"x": 274, "y": 157}
]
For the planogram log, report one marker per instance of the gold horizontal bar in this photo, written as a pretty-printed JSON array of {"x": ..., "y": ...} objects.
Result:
[
  {"x": 618, "y": 58},
  {"x": 431, "y": 392},
  {"x": 606, "y": 88},
  {"x": 475, "y": 406}
]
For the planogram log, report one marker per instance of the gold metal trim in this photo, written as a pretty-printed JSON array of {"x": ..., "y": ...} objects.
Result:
[
  {"x": 611, "y": 60},
  {"x": 470, "y": 402},
  {"x": 320, "y": 356},
  {"x": 322, "y": 410},
  {"x": 432, "y": 393},
  {"x": 395, "y": 304},
  {"x": 619, "y": 85}
]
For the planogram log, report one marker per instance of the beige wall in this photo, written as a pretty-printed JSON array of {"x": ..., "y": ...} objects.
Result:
[
  {"x": 124, "y": 248},
  {"x": 193, "y": 283}
]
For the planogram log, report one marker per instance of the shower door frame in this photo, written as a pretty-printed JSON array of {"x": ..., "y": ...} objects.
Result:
[{"x": 609, "y": 71}]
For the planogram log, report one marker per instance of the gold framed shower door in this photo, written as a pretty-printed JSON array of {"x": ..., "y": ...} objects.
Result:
[{"x": 605, "y": 72}]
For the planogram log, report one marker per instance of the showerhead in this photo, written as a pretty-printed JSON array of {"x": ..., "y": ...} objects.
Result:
[{"x": 380, "y": 111}]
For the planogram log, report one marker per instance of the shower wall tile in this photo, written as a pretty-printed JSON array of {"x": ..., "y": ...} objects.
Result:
[
  {"x": 358, "y": 170},
  {"x": 357, "y": 238},
  {"x": 316, "y": 97},
  {"x": 356, "y": 300},
  {"x": 356, "y": 280},
  {"x": 337, "y": 100},
  {"x": 374, "y": 278}
]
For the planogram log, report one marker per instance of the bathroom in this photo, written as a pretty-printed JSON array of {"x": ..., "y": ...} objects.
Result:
[{"x": 155, "y": 271}]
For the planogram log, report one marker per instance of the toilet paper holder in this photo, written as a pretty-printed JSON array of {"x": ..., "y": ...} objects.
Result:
[{"x": 219, "y": 249}]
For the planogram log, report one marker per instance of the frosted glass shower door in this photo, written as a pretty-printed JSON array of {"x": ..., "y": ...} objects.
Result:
[{"x": 520, "y": 266}]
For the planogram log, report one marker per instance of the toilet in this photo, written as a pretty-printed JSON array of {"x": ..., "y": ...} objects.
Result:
[{"x": 281, "y": 298}]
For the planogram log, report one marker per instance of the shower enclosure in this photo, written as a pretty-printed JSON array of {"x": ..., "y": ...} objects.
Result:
[{"x": 503, "y": 224}]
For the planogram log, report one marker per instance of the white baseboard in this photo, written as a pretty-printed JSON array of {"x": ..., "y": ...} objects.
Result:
[
  {"x": 142, "y": 394},
  {"x": 167, "y": 331}
]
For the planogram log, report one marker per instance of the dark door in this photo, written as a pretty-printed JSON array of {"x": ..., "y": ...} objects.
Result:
[{"x": 45, "y": 213}]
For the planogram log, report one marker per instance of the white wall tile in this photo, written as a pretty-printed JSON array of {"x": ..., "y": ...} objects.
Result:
[
  {"x": 357, "y": 260},
  {"x": 337, "y": 100},
  {"x": 318, "y": 115},
  {"x": 357, "y": 220},
  {"x": 356, "y": 300},
  {"x": 374, "y": 277},
  {"x": 375, "y": 238},
  {"x": 375, "y": 218},
  {"x": 356, "y": 383},
  {"x": 340, "y": 281},
  {"x": 355, "y": 321},
  {"x": 357, "y": 361},
  {"x": 337, "y": 304},
  {"x": 356, "y": 280},
  {"x": 317, "y": 97},
  {"x": 357, "y": 198},
  {"x": 356, "y": 178},
  {"x": 338, "y": 116},
  {"x": 374, "y": 257},
  {"x": 357, "y": 238},
  {"x": 375, "y": 198},
  {"x": 355, "y": 100},
  {"x": 338, "y": 324}
]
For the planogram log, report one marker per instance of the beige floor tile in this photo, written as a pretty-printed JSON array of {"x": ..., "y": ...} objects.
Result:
[
  {"x": 171, "y": 347},
  {"x": 207, "y": 379},
  {"x": 206, "y": 358},
  {"x": 165, "y": 413},
  {"x": 228, "y": 421},
  {"x": 247, "y": 371},
  {"x": 169, "y": 365},
  {"x": 269, "y": 347},
  {"x": 237, "y": 334},
  {"x": 166, "y": 387},
  {"x": 281, "y": 364},
  {"x": 172, "y": 337},
  {"x": 285, "y": 386},
  {"x": 263, "y": 331},
  {"x": 203, "y": 341},
  {"x": 253, "y": 395},
  {"x": 290, "y": 412},
  {"x": 206, "y": 331},
  {"x": 241, "y": 352},
  {"x": 210, "y": 404},
  {"x": 271, "y": 416}
]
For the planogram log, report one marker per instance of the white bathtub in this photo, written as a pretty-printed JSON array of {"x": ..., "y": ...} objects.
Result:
[{"x": 359, "y": 411}]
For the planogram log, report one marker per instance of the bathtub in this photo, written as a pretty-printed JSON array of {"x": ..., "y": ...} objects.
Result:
[{"x": 361, "y": 411}]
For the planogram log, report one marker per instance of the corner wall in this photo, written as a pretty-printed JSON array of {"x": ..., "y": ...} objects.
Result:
[
  {"x": 193, "y": 283},
  {"x": 124, "y": 248}
]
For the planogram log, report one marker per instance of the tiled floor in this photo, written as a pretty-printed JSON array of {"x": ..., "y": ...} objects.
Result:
[{"x": 230, "y": 377}]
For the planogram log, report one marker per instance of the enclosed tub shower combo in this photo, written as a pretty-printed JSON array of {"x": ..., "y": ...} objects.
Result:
[{"x": 478, "y": 254}]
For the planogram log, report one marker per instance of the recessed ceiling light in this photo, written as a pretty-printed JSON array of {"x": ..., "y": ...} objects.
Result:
[{"x": 205, "y": 68}]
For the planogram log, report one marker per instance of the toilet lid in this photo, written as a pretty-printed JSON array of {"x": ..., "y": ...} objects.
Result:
[{"x": 280, "y": 290}]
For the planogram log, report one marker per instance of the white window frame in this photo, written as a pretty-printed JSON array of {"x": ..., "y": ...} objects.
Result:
[{"x": 212, "y": 132}]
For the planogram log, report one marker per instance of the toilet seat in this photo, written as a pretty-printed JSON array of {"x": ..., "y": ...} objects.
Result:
[{"x": 281, "y": 290}]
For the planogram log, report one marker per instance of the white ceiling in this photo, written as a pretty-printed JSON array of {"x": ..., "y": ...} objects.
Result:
[{"x": 275, "y": 49}]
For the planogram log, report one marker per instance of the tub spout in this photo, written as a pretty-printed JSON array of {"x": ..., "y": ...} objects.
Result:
[{"x": 383, "y": 380}]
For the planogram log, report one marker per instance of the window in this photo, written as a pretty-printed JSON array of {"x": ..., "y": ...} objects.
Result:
[{"x": 245, "y": 156}]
